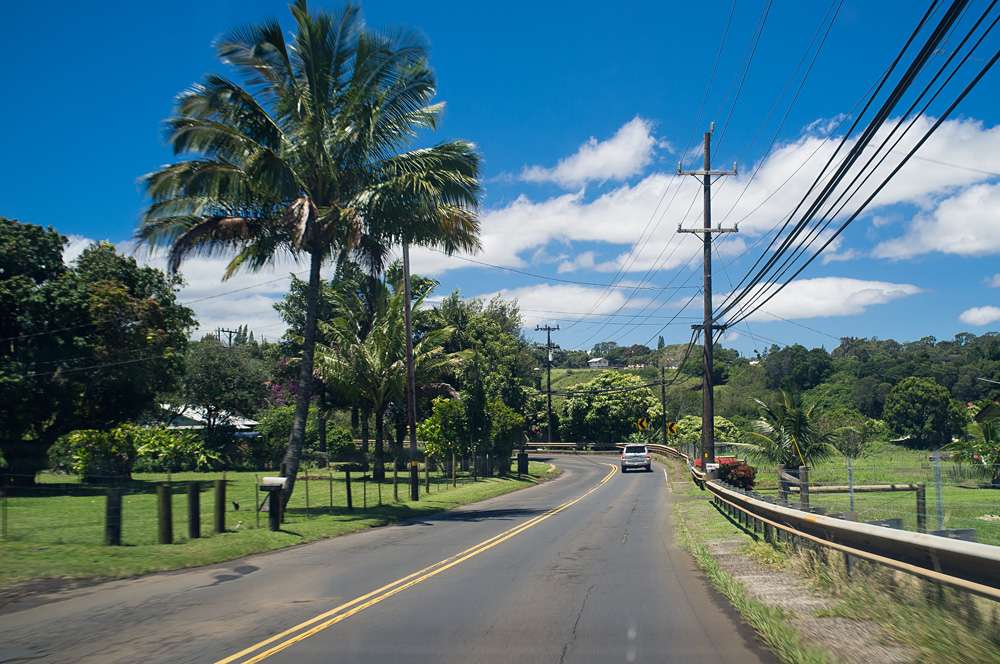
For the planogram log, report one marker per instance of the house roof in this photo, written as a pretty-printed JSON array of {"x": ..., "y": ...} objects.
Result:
[
  {"x": 195, "y": 417},
  {"x": 990, "y": 412}
]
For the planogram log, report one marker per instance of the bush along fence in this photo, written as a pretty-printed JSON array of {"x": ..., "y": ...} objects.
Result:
[{"x": 149, "y": 508}]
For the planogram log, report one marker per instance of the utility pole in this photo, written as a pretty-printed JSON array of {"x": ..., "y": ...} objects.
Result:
[
  {"x": 548, "y": 368},
  {"x": 663, "y": 402},
  {"x": 220, "y": 331},
  {"x": 708, "y": 326}
]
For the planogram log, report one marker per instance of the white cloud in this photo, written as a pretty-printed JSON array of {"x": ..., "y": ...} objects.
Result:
[
  {"x": 623, "y": 155},
  {"x": 77, "y": 243},
  {"x": 641, "y": 218},
  {"x": 584, "y": 261},
  {"x": 567, "y": 301},
  {"x": 980, "y": 315},
  {"x": 967, "y": 224},
  {"x": 993, "y": 282},
  {"x": 829, "y": 296},
  {"x": 246, "y": 299}
]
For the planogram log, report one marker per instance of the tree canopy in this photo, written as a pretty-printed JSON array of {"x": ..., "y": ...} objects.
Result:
[{"x": 82, "y": 346}]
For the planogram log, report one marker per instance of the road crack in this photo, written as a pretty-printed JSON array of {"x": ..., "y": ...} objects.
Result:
[
  {"x": 576, "y": 624},
  {"x": 628, "y": 522}
]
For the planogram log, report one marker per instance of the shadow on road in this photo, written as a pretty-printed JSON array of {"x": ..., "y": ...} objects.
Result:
[{"x": 475, "y": 515}]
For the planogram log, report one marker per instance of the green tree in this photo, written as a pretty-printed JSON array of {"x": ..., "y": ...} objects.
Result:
[
  {"x": 306, "y": 158},
  {"x": 922, "y": 410},
  {"x": 82, "y": 346},
  {"x": 446, "y": 430},
  {"x": 786, "y": 434},
  {"x": 689, "y": 430},
  {"x": 794, "y": 367},
  {"x": 608, "y": 408},
  {"x": 224, "y": 381}
]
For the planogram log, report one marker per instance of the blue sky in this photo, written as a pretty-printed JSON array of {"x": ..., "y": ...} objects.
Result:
[{"x": 582, "y": 112}]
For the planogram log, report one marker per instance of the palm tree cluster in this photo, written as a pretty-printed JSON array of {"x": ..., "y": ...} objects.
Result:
[
  {"x": 364, "y": 359},
  {"x": 308, "y": 157}
]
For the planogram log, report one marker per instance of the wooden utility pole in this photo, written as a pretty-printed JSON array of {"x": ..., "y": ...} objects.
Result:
[
  {"x": 548, "y": 368},
  {"x": 663, "y": 402},
  {"x": 708, "y": 325}
]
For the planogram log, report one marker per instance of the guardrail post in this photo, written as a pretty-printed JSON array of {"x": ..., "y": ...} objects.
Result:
[
  {"x": 921, "y": 508},
  {"x": 782, "y": 483},
  {"x": 804, "y": 487}
]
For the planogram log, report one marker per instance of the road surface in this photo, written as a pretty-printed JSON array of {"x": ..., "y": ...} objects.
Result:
[{"x": 584, "y": 568}]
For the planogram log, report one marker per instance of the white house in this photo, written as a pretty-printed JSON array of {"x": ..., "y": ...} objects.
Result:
[{"x": 598, "y": 363}]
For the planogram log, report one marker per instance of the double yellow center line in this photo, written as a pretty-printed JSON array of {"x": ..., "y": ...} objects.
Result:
[{"x": 304, "y": 630}]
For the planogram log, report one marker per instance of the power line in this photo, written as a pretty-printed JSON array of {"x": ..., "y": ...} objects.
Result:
[{"x": 565, "y": 281}]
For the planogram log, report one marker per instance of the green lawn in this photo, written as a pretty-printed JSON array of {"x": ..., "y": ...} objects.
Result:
[
  {"x": 57, "y": 528},
  {"x": 965, "y": 502}
]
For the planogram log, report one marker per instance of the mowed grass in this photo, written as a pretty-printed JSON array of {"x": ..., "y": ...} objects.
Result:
[
  {"x": 56, "y": 530},
  {"x": 966, "y": 501}
]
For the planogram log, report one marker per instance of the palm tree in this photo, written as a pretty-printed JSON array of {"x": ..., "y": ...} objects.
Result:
[
  {"x": 786, "y": 435},
  {"x": 306, "y": 159},
  {"x": 369, "y": 353}
]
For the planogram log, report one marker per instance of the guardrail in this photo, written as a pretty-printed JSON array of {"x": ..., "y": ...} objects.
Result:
[
  {"x": 971, "y": 566},
  {"x": 968, "y": 565}
]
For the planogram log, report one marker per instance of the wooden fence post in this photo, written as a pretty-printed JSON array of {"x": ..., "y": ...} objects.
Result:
[
  {"x": 164, "y": 511},
  {"x": 113, "y": 518},
  {"x": 194, "y": 510},
  {"x": 347, "y": 480},
  {"x": 220, "y": 505}
]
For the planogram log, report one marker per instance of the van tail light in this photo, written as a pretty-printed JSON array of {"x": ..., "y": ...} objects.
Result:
[{"x": 647, "y": 455}]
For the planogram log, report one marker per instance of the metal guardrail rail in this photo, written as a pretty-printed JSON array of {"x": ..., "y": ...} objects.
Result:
[{"x": 971, "y": 566}]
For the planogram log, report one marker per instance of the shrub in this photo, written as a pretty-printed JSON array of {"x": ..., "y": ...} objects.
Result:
[
  {"x": 738, "y": 474},
  {"x": 104, "y": 456},
  {"x": 161, "y": 450},
  {"x": 340, "y": 445}
]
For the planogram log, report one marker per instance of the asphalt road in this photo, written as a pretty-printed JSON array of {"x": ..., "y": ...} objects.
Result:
[{"x": 584, "y": 568}]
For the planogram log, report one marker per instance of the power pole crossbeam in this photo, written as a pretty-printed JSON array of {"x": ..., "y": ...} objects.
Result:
[{"x": 709, "y": 325}]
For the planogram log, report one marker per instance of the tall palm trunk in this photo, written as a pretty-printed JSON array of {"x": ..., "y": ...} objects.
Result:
[{"x": 290, "y": 466}]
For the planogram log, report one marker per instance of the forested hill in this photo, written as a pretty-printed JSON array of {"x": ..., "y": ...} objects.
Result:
[{"x": 857, "y": 375}]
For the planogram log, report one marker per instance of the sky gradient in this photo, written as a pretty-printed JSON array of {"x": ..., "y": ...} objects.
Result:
[{"x": 582, "y": 114}]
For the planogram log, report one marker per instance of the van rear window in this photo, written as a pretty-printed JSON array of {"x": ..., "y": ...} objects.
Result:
[{"x": 635, "y": 449}]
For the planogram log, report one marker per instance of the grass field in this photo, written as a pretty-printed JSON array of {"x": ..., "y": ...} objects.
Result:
[
  {"x": 56, "y": 529},
  {"x": 966, "y": 502}
]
